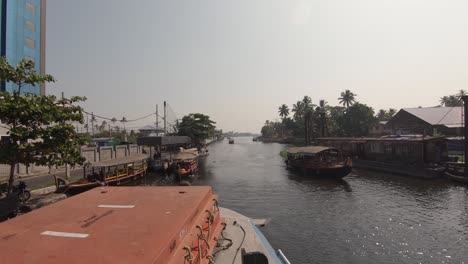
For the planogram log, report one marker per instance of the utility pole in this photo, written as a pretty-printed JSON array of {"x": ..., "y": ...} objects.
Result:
[
  {"x": 157, "y": 119},
  {"x": 92, "y": 123},
  {"x": 165, "y": 118},
  {"x": 87, "y": 123}
]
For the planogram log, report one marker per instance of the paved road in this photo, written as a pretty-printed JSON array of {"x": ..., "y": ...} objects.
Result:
[{"x": 34, "y": 182}]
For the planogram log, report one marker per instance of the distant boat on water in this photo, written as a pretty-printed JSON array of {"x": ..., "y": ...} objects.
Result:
[{"x": 231, "y": 141}]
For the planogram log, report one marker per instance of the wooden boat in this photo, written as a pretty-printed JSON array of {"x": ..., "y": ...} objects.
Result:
[
  {"x": 455, "y": 172},
  {"x": 108, "y": 172},
  {"x": 457, "y": 178},
  {"x": 231, "y": 141},
  {"x": 319, "y": 161},
  {"x": 186, "y": 163},
  {"x": 136, "y": 225}
]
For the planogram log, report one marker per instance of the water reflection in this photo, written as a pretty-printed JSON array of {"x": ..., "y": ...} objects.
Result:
[{"x": 321, "y": 183}]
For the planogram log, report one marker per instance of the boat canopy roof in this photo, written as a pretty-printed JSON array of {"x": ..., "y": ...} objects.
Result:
[
  {"x": 311, "y": 150},
  {"x": 119, "y": 161},
  {"x": 185, "y": 155}
]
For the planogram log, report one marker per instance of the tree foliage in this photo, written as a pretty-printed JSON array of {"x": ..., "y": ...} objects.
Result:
[
  {"x": 347, "y": 98},
  {"x": 324, "y": 120},
  {"x": 197, "y": 126},
  {"x": 39, "y": 127}
]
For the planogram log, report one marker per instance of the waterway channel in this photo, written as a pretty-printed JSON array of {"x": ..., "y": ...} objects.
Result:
[{"x": 367, "y": 217}]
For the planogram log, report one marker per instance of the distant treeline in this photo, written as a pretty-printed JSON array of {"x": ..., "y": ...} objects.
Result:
[{"x": 240, "y": 134}]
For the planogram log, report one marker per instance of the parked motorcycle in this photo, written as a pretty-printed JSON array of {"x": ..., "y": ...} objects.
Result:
[{"x": 23, "y": 193}]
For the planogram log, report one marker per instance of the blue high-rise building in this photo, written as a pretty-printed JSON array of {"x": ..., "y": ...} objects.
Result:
[{"x": 22, "y": 35}]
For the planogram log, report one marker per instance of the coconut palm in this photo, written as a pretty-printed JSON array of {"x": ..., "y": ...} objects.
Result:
[
  {"x": 444, "y": 101},
  {"x": 347, "y": 98},
  {"x": 322, "y": 110},
  {"x": 307, "y": 104},
  {"x": 113, "y": 120},
  {"x": 298, "y": 110},
  {"x": 381, "y": 115},
  {"x": 461, "y": 93},
  {"x": 103, "y": 125},
  {"x": 283, "y": 111},
  {"x": 123, "y": 121}
]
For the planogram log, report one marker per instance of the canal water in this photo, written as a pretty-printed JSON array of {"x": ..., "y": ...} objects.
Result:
[{"x": 367, "y": 217}]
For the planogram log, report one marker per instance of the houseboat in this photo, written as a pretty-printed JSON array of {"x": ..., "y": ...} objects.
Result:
[
  {"x": 166, "y": 225},
  {"x": 318, "y": 161},
  {"x": 107, "y": 172}
]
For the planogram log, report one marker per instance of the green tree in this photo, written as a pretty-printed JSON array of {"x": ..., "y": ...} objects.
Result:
[
  {"x": 451, "y": 101},
  {"x": 347, "y": 98},
  {"x": 40, "y": 127},
  {"x": 322, "y": 113},
  {"x": 197, "y": 126},
  {"x": 283, "y": 111},
  {"x": 357, "y": 120},
  {"x": 298, "y": 110}
]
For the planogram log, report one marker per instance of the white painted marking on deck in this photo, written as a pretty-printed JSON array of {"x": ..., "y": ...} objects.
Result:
[
  {"x": 116, "y": 206},
  {"x": 64, "y": 234}
]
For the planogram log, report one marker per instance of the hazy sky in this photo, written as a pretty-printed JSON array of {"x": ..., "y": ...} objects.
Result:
[{"x": 238, "y": 61}]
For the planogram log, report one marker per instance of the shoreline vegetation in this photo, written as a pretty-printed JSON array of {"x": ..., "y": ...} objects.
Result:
[{"x": 308, "y": 121}]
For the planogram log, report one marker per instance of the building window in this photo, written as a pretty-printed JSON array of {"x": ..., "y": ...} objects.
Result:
[
  {"x": 30, "y": 25},
  {"x": 31, "y": 8},
  {"x": 29, "y": 58},
  {"x": 29, "y": 43}
]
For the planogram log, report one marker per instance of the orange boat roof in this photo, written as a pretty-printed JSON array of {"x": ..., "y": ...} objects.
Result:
[{"x": 111, "y": 225}]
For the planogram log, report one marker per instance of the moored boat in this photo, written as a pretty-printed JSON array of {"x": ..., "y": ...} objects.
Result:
[
  {"x": 319, "y": 161},
  {"x": 455, "y": 172},
  {"x": 457, "y": 178},
  {"x": 136, "y": 225},
  {"x": 231, "y": 141},
  {"x": 186, "y": 163},
  {"x": 107, "y": 172}
]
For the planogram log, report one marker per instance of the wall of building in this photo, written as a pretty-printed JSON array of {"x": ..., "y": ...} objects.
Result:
[{"x": 21, "y": 37}]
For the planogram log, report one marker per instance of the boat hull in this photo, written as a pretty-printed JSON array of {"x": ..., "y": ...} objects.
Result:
[
  {"x": 335, "y": 172},
  {"x": 79, "y": 188},
  {"x": 456, "y": 178}
]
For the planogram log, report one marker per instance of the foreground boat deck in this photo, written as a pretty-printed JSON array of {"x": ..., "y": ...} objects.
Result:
[{"x": 110, "y": 225}]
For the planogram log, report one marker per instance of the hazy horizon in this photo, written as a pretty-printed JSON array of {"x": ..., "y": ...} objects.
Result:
[{"x": 239, "y": 61}]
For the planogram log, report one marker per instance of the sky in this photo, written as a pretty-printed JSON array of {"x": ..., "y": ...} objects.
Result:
[{"x": 238, "y": 61}]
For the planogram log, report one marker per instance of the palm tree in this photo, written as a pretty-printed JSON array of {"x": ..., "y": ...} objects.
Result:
[
  {"x": 298, "y": 110},
  {"x": 444, "y": 101},
  {"x": 113, "y": 120},
  {"x": 123, "y": 121},
  {"x": 322, "y": 110},
  {"x": 103, "y": 125},
  {"x": 461, "y": 93},
  {"x": 347, "y": 98},
  {"x": 307, "y": 104},
  {"x": 283, "y": 111},
  {"x": 381, "y": 115}
]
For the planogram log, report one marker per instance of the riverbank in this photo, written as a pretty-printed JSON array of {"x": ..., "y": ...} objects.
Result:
[{"x": 295, "y": 141}]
